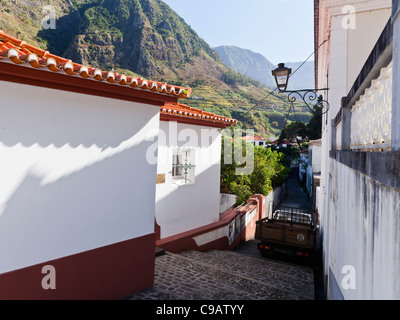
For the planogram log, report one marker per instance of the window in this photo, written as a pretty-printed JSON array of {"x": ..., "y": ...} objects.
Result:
[
  {"x": 176, "y": 165},
  {"x": 183, "y": 166}
]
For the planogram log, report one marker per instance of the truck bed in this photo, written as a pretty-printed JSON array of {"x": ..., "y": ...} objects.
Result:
[
  {"x": 288, "y": 230},
  {"x": 285, "y": 233}
]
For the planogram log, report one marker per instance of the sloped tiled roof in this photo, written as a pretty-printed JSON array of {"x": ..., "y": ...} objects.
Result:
[
  {"x": 21, "y": 53},
  {"x": 180, "y": 111},
  {"x": 253, "y": 138}
]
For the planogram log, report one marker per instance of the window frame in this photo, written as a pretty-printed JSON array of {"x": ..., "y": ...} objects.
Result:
[{"x": 183, "y": 156}]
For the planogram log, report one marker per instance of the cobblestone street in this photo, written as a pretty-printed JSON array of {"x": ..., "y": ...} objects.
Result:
[
  {"x": 227, "y": 275},
  {"x": 237, "y": 275}
]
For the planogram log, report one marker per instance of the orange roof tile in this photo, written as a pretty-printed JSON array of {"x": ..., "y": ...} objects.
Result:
[
  {"x": 253, "y": 138},
  {"x": 19, "y": 52},
  {"x": 181, "y": 111}
]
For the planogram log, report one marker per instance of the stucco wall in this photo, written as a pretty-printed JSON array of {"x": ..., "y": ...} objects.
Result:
[
  {"x": 73, "y": 173},
  {"x": 396, "y": 84},
  {"x": 273, "y": 199},
  {"x": 362, "y": 39},
  {"x": 180, "y": 208},
  {"x": 343, "y": 228},
  {"x": 227, "y": 201},
  {"x": 363, "y": 232},
  {"x": 234, "y": 227}
]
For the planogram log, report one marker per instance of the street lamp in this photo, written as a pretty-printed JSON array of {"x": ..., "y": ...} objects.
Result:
[{"x": 282, "y": 75}]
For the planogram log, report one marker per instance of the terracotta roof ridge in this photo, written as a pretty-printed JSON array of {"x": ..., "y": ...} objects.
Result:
[
  {"x": 182, "y": 110},
  {"x": 19, "y": 52}
]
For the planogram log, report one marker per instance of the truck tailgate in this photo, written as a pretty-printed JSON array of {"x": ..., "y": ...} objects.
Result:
[{"x": 285, "y": 233}]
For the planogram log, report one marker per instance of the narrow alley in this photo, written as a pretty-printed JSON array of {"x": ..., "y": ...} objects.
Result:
[
  {"x": 241, "y": 274},
  {"x": 295, "y": 197}
]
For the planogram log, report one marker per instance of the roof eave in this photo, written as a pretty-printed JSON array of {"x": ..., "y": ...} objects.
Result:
[
  {"x": 40, "y": 78},
  {"x": 194, "y": 121}
]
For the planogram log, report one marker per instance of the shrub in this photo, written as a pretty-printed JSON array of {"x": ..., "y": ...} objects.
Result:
[{"x": 269, "y": 172}]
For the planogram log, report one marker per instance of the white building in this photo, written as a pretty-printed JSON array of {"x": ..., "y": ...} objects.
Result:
[
  {"x": 314, "y": 165},
  {"x": 256, "y": 140},
  {"x": 303, "y": 164},
  {"x": 77, "y": 205},
  {"x": 188, "y": 198},
  {"x": 360, "y": 182}
]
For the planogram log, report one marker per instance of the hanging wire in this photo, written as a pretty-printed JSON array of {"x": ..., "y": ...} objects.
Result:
[{"x": 271, "y": 93}]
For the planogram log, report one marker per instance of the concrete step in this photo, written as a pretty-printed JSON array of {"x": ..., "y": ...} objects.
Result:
[
  {"x": 296, "y": 280},
  {"x": 181, "y": 277}
]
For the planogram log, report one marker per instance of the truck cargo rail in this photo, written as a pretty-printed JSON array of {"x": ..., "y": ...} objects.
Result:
[
  {"x": 288, "y": 230},
  {"x": 293, "y": 215}
]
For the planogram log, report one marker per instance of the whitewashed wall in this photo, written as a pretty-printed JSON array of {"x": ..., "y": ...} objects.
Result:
[
  {"x": 73, "y": 173},
  {"x": 361, "y": 224},
  {"x": 273, "y": 199},
  {"x": 180, "y": 208},
  {"x": 363, "y": 233},
  {"x": 336, "y": 80},
  {"x": 316, "y": 160},
  {"x": 227, "y": 201},
  {"x": 368, "y": 28}
]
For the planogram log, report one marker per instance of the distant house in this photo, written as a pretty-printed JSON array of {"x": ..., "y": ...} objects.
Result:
[
  {"x": 303, "y": 164},
  {"x": 314, "y": 165},
  {"x": 285, "y": 143},
  {"x": 189, "y": 166},
  {"x": 77, "y": 188},
  {"x": 256, "y": 140}
]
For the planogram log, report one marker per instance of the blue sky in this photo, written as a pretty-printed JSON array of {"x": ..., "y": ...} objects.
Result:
[{"x": 281, "y": 30}]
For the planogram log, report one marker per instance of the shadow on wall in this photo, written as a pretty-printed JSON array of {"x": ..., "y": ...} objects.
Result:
[
  {"x": 74, "y": 174},
  {"x": 54, "y": 117},
  {"x": 189, "y": 206},
  {"x": 234, "y": 226},
  {"x": 107, "y": 202},
  {"x": 98, "y": 205}
]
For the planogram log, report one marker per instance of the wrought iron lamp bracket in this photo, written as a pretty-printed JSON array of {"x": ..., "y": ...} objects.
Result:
[{"x": 308, "y": 96}]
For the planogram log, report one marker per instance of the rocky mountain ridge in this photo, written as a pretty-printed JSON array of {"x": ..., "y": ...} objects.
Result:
[
  {"x": 147, "y": 38},
  {"x": 256, "y": 66}
]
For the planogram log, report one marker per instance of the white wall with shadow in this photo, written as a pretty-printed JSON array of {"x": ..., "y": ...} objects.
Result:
[
  {"x": 73, "y": 173},
  {"x": 184, "y": 207}
]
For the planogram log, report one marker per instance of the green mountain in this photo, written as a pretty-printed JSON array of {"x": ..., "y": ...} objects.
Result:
[
  {"x": 256, "y": 66},
  {"x": 147, "y": 38},
  {"x": 252, "y": 64}
]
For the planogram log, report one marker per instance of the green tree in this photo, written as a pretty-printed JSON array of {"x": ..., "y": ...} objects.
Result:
[
  {"x": 293, "y": 131},
  {"x": 269, "y": 172},
  {"x": 314, "y": 126}
]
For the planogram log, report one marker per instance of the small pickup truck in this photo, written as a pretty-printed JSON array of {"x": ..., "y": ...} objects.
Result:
[{"x": 289, "y": 231}]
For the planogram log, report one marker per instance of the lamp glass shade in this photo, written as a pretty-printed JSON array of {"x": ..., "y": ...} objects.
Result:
[{"x": 281, "y": 75}]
